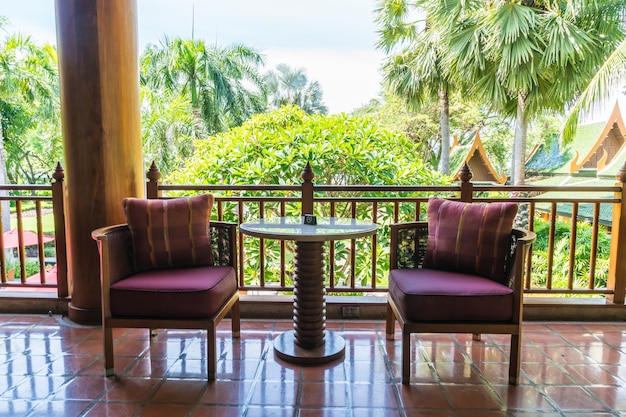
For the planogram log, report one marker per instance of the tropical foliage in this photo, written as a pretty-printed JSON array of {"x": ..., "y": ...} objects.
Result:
[
  {"x": 30, "y": 134},
  {"x": 561, "y": 256},
  {"x": 272, "y": 148},
  {"x": 286, "y": 85},
  {"x": 223, "y": 84},
  {"x": 523, "y": 58},
  {"x": 416, "y": 72},
  {"x": 609, "y": 77}
]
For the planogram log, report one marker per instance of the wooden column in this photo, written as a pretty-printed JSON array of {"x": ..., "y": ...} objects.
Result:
[{"x": 99, "y": 76}]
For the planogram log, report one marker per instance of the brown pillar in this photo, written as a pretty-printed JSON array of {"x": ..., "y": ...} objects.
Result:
[{"x": 99, "y": 76}]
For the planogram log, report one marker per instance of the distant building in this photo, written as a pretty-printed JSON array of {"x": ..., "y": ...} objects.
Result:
[
  {"x": 477, "y": 159},
  {"x": 594, "y": 157}
]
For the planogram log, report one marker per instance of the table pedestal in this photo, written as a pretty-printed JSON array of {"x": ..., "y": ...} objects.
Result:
[{"x": 309, "y": 343}]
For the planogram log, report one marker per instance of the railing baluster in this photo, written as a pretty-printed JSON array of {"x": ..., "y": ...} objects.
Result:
[
  {"x": 262, "y": 248},
  {"x": 594, "y": 246},
  {"x": 396, "y": 209},
  {"x": 572, "y": 247},
  {"x": 353, "y": 251},
  {"x": 283, "y": 272},
  {"x": 240, "y": 247},
  {"x": 40, "y": 248},
  {"x": 374, "y": 241},
  {"x": 531, "y": 226},
  {"x": 331, "y": 252},
  {"x": 551, "y": 244}
]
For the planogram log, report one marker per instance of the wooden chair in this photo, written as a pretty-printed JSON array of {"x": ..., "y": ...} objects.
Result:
[
  {"x": 441, "y": 300},
  {"x": 195, "y": 297}
]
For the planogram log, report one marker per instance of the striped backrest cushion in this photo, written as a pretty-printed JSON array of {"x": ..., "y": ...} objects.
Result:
[
  {"x": 469, "y": 238},
  {"x": 170, "y": 233}
]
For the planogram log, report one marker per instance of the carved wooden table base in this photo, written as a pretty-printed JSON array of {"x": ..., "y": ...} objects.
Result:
[{"x": 309, "y": 342}]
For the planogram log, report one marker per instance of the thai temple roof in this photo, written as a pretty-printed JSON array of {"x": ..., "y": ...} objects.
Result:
[
  {"x": 477, "y": 159},
  {"x": 594, "y": 157}
]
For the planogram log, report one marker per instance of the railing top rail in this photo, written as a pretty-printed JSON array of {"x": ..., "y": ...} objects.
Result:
[
  {"x": 25, "y": 198},
  {"x": 25, "y": 187},
  {"x": 374, "y": 187},
  {"x": 395, "y": 188},
  {"x": 542, "y": 188},
  {"x": 227, "y": 187},
  {"x": 257, "y": 198}
]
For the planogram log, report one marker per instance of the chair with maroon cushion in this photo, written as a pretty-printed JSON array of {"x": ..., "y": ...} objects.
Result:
[
  {"x": 169, "y": 267},
  {"x": 460, "y": 272}
]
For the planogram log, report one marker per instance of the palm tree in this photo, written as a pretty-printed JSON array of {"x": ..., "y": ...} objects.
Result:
[
  {"x": 528, "y": 57},
  {"x": 168, "y": 128},
  {"x": 608, "y": 76},
  {"x": 417, "y": 72},
  {"x": 286, "y": 85},
  {"x": 223, "y": 84},
  {"x": 28, "y": 99}
]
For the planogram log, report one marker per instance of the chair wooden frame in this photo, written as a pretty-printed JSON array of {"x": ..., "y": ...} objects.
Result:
[
  {"x": 115, "y": 247},
  {"x": 521, "y": 241}
]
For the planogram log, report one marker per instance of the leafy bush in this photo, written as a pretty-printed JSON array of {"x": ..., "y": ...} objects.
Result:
[
  {"x": 273, "y": 148},
  {"x": 560, "y": 257},
  {"x": 32, "y": 267}
]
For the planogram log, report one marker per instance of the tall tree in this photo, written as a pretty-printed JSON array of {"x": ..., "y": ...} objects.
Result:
[
  {"x": 527, "y": 57},
  {"x": 416, "y": 71},
  {"x": 168, "y": 128},
  {"x": 28, "y": 101},
  {"x": 286, "y": 85},
  {"x": 223, "y": 84},
  {"x": 29, "y": 109},
  {"x": 610, "y": 76}
]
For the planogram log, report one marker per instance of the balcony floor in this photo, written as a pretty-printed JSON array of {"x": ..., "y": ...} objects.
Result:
[{"x": 52, "y": 367}]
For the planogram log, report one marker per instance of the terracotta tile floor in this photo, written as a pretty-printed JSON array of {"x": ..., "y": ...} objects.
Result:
[{"x": 52, "y": 367}]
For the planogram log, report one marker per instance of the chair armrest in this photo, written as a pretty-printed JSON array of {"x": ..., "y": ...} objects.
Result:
[
  {"x": 116, "y": 251},
  {"x": 407, "y": 244},
  {"x": 224, "y": 243},
  {"x": 521, "y": 242}
]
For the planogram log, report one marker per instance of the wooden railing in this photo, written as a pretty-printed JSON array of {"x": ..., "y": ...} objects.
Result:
[
  {"x": 14, "y": 259},
  {"x": 360, "y": 266},
  {"x": 266, "y": 265}
]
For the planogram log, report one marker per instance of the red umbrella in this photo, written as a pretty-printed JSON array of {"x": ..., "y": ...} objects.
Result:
[{"x": 30, "y": 238}]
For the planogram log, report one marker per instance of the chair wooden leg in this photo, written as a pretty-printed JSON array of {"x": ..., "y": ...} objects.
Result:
[
  {"x": 514, "y": 360},
  {"x": 211, "y": 351},
  {"x": 406, "y": 356},
  {"x": 391, "y": 323},
  {"x": 476, "y": 337},
  {"x": 235, "y": 318},
  {"x": 109, "y": 367}
]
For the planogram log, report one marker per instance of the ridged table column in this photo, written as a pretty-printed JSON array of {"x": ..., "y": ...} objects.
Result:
[
  {"x": 309, "y": 342},
  {"x": 309, "y": 306}
]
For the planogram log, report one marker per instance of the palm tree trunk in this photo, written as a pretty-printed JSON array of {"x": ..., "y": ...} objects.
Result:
[
  {"x": 444, "y": 104},
  {"x": 519, "y": 143}
]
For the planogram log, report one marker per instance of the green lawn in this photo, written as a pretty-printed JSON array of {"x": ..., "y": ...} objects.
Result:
[{"x": 30, "y": 223}]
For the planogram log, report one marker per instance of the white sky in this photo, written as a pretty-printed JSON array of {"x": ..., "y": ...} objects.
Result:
[{"x": 332, "y": 39}]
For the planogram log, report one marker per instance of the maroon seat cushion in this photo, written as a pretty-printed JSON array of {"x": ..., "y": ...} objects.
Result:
[
  {"x": 468, "y": 237},
  {"x": 170, "y": 233},
  {"x": 436, "y": 295},
  {"x": 174, "y": 293}
]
